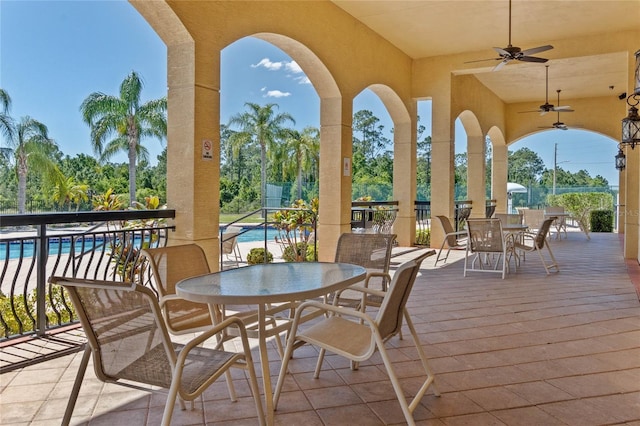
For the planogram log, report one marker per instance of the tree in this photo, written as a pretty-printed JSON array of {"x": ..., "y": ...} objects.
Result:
[
  {"x": 31, "y": 148},
  {"x": 6, "y": 122},
  {"x": 525, "y": 166},
  {"x": 68, "y": 191},
  {"x": 303, "y": 149},
  {"x": 262, "y": 126},
  {"x": 129, "y": 122}
]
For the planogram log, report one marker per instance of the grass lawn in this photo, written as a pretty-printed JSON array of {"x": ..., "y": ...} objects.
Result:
[{"x": 230, "y": 217}]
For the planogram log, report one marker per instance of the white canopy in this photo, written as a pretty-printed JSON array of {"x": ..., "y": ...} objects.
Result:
[{"x": 515, "y": 187}]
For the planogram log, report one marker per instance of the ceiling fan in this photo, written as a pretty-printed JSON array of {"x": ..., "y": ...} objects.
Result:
[
  {"x": 547, "y": 107},
  {"x": 558, "y": 124},
  {"x": 511, "y": 53}
]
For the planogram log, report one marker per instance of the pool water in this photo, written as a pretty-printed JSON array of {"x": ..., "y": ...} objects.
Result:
[{"x": 55, "y": 247}]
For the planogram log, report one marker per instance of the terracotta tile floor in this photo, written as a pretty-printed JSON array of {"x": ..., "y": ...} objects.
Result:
[{"x": 532, "y": 349}]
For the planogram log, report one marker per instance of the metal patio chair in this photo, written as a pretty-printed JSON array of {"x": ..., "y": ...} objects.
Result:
[
  {"x": 129, "y": 341},
  {"x": 536, "y": 243},
  {"x": 487, "y": 243},
  {"x": 357, "y": 336},
  {"x": 455, "y": 240},
  {"x": 168, "y": 266}
]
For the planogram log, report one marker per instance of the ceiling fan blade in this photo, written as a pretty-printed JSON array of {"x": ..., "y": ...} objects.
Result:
[
  {"x": 564, "y": 108},
  {"x": 483, "y": 60},
  {"x": 532, "y": 59},
  {"x": 500, "y": 65},
  {"x": 538, "y": 49},
  {"x": 524, "y": 112},
  {"x": 501, "y": 51},
  {"x": 543, "y": 112}
]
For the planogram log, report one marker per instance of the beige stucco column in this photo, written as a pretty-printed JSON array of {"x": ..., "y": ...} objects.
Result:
[
  {"x": 622, "y": 196},
  {"x": 499, "y": 169},
  {"x": 404, "y": 179},
  {"x": 476, "y": 175},
  {"x": 632, "y": 193},
  {"x": 442, "y": 155},
  {"x": 335, "y": 174},
  {"x": 193, "y": 122}
]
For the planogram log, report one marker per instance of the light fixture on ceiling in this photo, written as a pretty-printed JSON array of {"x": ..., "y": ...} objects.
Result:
[
  {"x": 631, "y": 123},
  {"x": 621, "y": 160}
]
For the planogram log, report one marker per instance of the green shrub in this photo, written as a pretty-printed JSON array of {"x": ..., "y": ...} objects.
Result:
[
  {"x": 601, "y": 221},
  {"x": 298, "y": 255},
  {"x": 423, "y": 237},
  {"x": 312, "y": 253},
  {"x": 256, "y": 255}
]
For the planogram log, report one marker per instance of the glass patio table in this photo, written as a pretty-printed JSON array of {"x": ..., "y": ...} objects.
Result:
[{"x": 265, "y": 284}]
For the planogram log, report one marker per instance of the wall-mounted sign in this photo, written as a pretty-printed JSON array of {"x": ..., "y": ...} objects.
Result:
[
  {"x": 207, "y": 149},
  {"x": 346, "y": 166}
]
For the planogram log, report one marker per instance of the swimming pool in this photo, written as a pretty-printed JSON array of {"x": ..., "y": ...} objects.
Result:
[{"x": 55, "y": 247}]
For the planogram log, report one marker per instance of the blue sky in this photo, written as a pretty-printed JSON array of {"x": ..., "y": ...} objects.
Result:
[{"x": 53, "y": 54}]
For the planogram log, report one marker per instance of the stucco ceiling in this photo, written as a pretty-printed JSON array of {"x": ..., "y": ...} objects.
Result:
[{"x": 472, "y": 28}]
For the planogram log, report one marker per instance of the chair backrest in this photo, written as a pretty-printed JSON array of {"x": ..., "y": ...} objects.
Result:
[
  {"x": 448, "y": 229},
  {"x": 554, "y": 209},
  {"x": 542, "y": 233},
  {"x": 509, "y": 219},
  {"x": 168, "y": 266},
  {"x": 229, "y": 239},
  {"x": 124, "y": 328},
  {"x": 383, "y": 220},
  {"x": 485, "y": 235},
  {"x": 371, "y": 251},
  {"x": 533, "y": 218},
  {"x": 389, "y": 317}
]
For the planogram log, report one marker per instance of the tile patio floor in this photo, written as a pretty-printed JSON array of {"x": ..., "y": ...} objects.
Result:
[{"x": 531, "y": 349}]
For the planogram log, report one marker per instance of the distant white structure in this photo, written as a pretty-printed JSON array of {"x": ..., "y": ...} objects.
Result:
[{"x": 513, "y": 188}]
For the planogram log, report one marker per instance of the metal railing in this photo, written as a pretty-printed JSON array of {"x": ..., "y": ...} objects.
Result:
[
  {"x": 94, "y": 245},
  {"x": 265, "y": 225}
]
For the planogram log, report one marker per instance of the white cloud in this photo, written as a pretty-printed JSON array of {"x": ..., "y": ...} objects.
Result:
[
  {"x": 293, "y": 67},
  {"x": 271, "y": 66},
  {"x": 303, "y": 80},
  {"x": 276, "y": 94}
]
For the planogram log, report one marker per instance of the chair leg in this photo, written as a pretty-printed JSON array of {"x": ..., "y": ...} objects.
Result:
[
  {"x": 291, "y": 340},
  {"x": 76, "y": 385},
  {"x": 440, "y": 252},
  {"x": 316, "y": 373}
]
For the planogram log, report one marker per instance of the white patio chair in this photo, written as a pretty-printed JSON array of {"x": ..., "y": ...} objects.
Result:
[
  {"x": 536, "y": 243},
  {"x": 129, "y": 342},
  {"x": 355, "y": 335},
  {"x": 486, "y": 238}
]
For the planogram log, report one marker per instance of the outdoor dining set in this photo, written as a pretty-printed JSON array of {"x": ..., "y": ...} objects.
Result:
[
  {"x": 491, "y": 243},
  {"x": 350, "y": 307}
]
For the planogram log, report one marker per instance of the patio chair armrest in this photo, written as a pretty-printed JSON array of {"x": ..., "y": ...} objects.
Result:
[
  {"x": 375, "y": 274},
  {"x": 216, "y": 329},
  {"x": 162, "y": 300},
  {"x": 335, "y": 310},
  {"x": 365, "y": 290}
]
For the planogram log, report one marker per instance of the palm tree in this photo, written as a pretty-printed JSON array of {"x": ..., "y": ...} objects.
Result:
[
  {"x": 6, "y": 122},
  {"x": 32, "y": 149},
  {"x": 128, "y": 121},
  {"x": 67, "y": 190},
  {"x": 262, "y": 126},
  {"x": 302, "y": 151}
]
